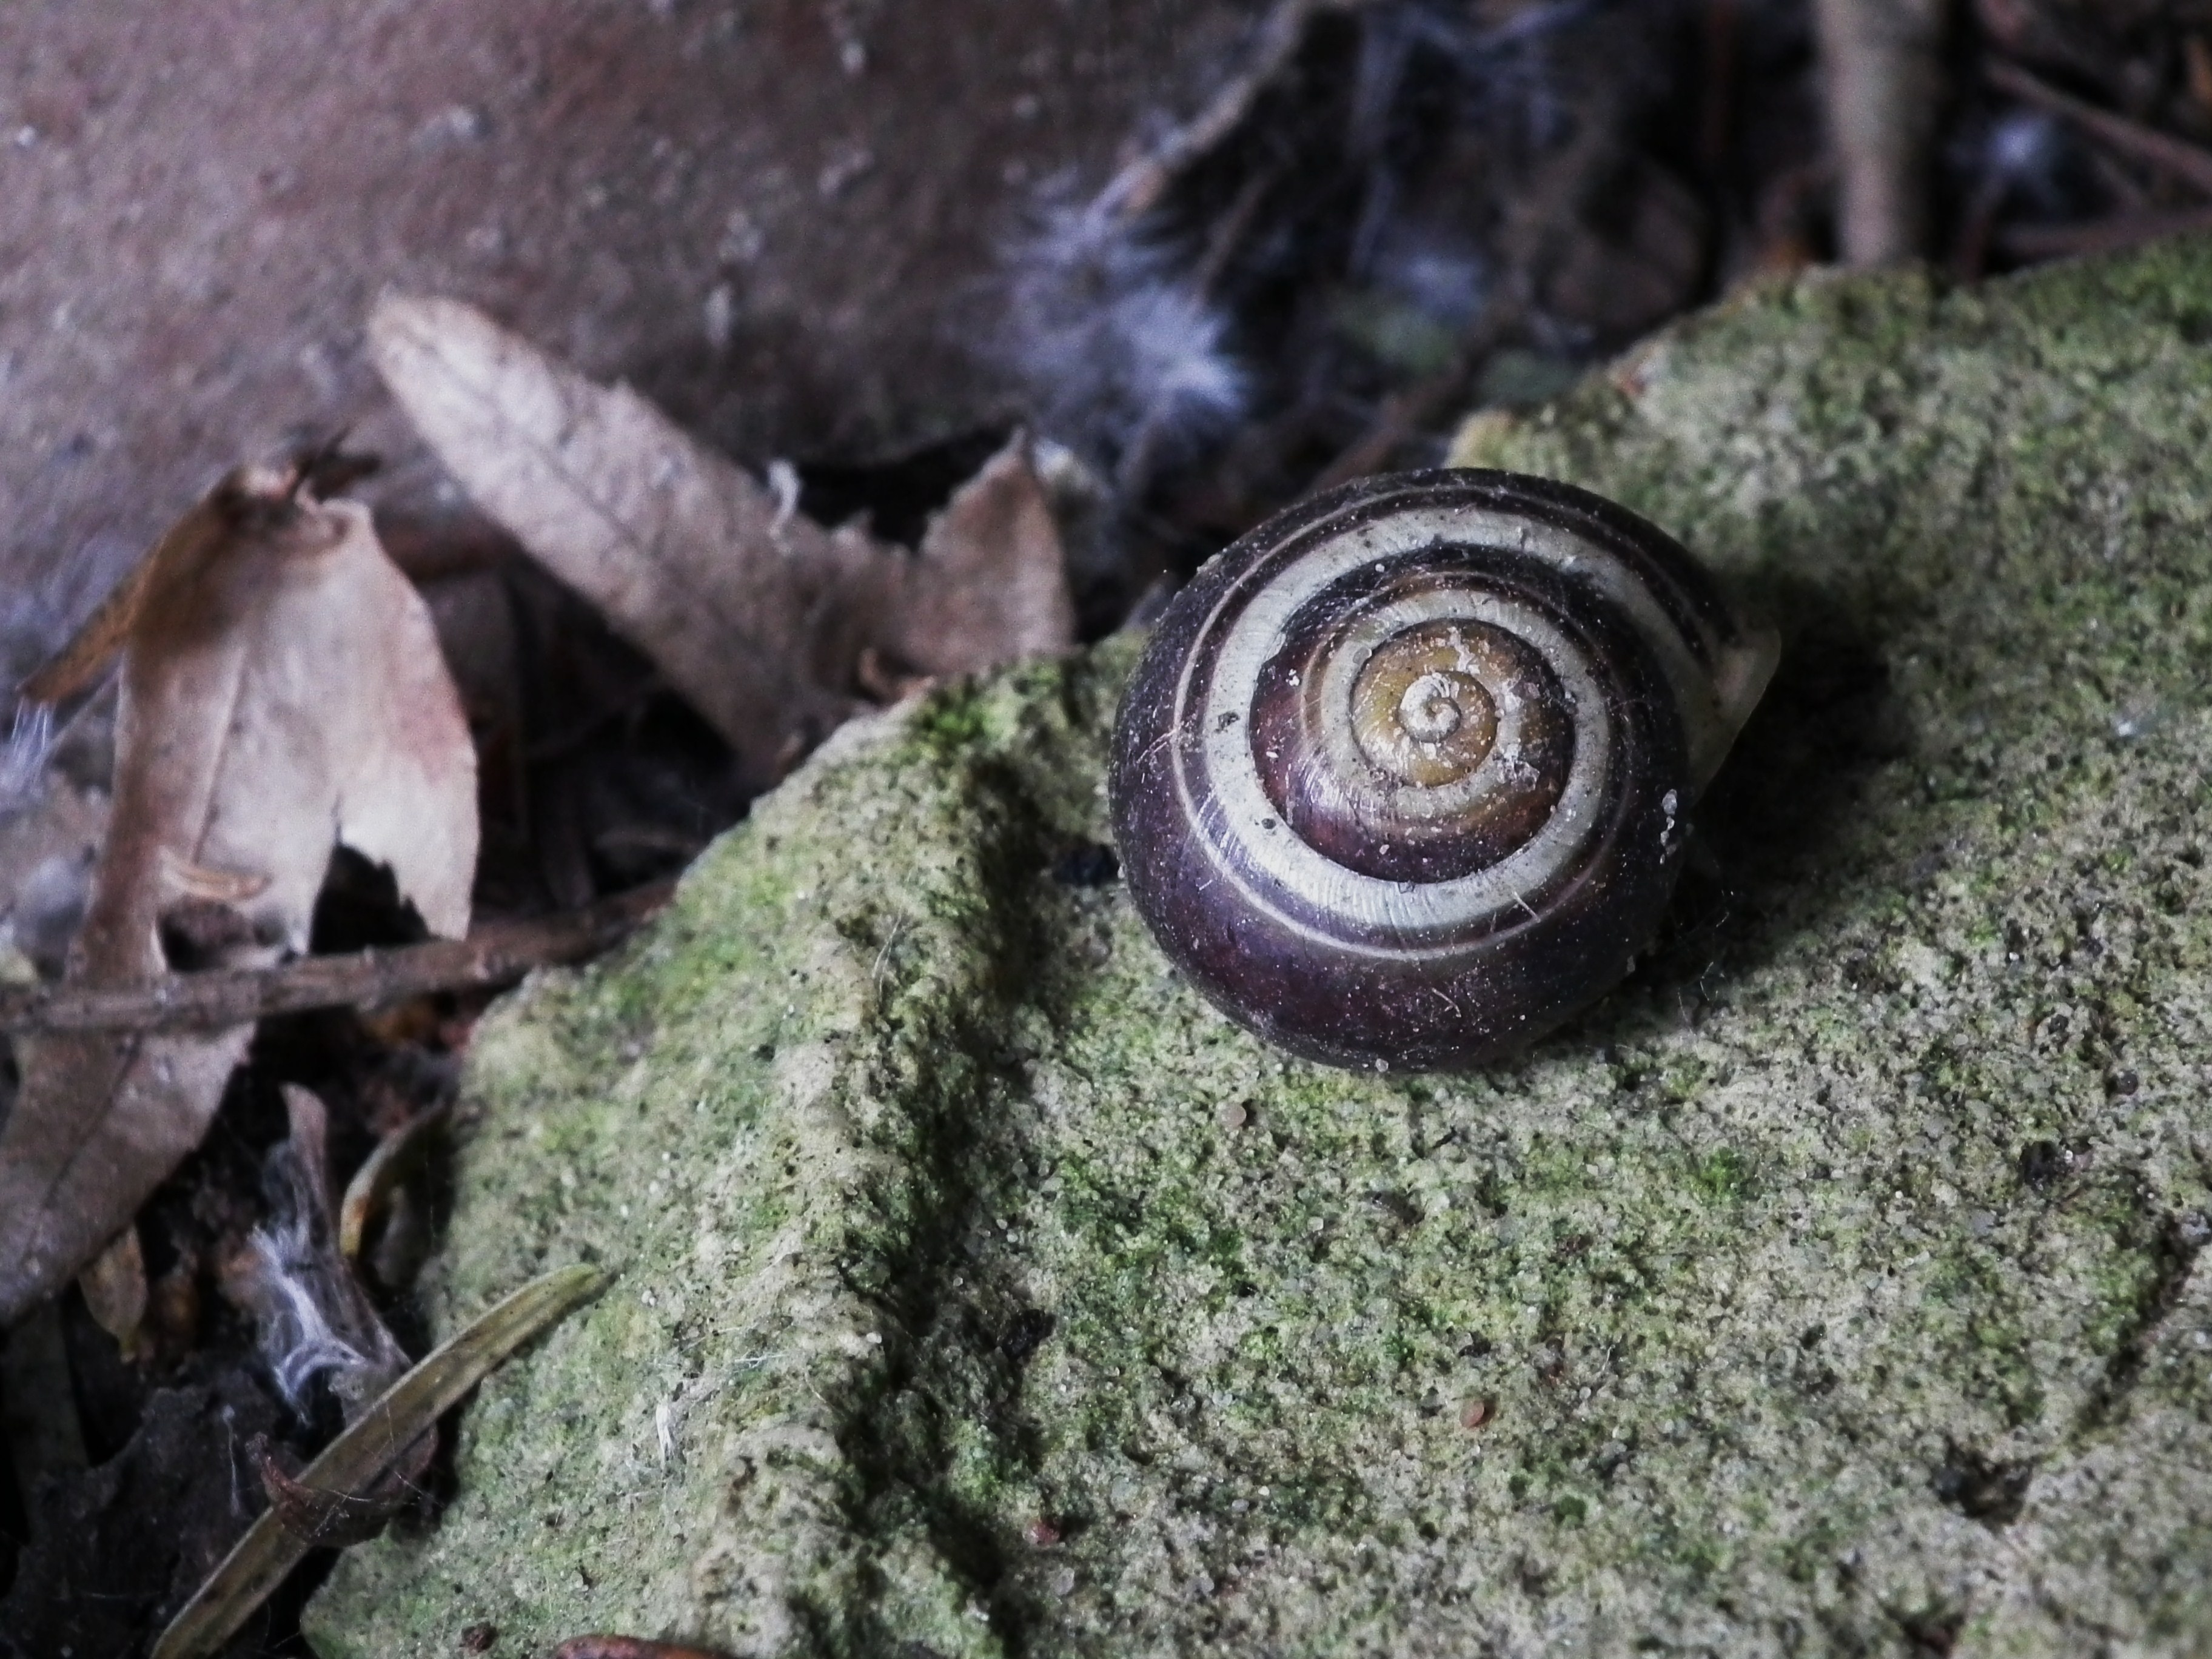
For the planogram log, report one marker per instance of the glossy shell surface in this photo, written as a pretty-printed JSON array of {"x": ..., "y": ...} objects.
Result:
[{"x": 1403, "y": 776}]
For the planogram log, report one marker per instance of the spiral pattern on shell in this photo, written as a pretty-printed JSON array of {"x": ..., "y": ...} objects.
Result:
[{"x": 1402, "y": 778}]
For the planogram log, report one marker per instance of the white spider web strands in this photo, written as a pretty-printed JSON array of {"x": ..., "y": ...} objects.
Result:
[
  {"x": 1127, "y": 349},
  {"x": 314, "y": 1323},
  {"x": 297, "y": 1338},
  {"x": 1508, "y": 75},
  {"x": 23, "y": 758}
]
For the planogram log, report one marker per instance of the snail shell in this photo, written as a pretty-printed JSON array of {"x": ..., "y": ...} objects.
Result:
[{"x": 1402, "y": 778}]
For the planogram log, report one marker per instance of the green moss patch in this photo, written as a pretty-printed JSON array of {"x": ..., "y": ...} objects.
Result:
[{"x": 1832, "y": 1287}]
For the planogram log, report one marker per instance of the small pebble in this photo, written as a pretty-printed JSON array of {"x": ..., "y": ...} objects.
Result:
[
  {"x": 1234, "y": 1115},
  {"x": 1474, "y": 1413}
]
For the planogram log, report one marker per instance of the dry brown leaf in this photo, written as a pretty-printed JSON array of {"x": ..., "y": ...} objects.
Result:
[
  {"x": 115, "y": 1292},
  {"x": 282, "y": 692},
  {"x": 990, "y": 583},
  {"x": 759, "y": 615}
]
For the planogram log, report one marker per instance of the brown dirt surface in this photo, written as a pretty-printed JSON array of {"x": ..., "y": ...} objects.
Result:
[{"x": 198, "y": 202}]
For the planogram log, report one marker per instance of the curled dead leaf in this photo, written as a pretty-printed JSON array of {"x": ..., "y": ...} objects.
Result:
[
  {"x": 281, "y": 693},
  {"x": 761, "y": 618},
  {"x": 399, "y": 1155},
  {"x": 334, "y": 1520}
]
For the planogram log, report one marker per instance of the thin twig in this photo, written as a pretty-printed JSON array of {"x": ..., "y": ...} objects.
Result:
[
  {"x": 358, "y": 1459},
  {"x": 1881, "y": 62},
  {"x": 1138, "y": 186},
  {"x": 2174, "y": 156},
  {"x": 2109, "y": 234},
  {"x": 497, "y": 955}
]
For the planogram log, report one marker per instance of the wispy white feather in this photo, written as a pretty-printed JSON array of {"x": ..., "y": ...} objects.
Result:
[
  {"x": 23, "y": 759},
  {"x": 1120, "y": 350}
]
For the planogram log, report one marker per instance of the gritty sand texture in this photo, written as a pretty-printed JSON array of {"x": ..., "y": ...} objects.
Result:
[{"x": 1835, "y": 1286}]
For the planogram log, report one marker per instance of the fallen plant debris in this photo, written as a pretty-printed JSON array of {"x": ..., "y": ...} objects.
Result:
[
  {"x": 315, "y": 1322},
  {"x": 1400, "y": 210},
  {"x": 2175, "y": 158},
  {"x": 294, "y": 1279},
  {"x": 354, "y": 1466},
  {"x": 380, "y": 1181},
  {"x": 491, "y": 958},
  {"x": 775, "y": 628},
  {"x": 1389, "y": 211},
  {"x": 282, "y": 694},
  {"x": 1884, "y": 76},
  {"x": 115, "y": 1290}
]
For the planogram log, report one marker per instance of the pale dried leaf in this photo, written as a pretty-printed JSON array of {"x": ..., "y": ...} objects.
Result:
[
  {"x": 282, "y": 692},
  {"x": 990, "y": 583},
  {"x": 676, "y": 546},
  {"x": 759, "y": 615}
]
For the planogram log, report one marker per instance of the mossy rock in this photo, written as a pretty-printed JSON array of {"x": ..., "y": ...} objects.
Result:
[{"x": 1832, "y": 1287}]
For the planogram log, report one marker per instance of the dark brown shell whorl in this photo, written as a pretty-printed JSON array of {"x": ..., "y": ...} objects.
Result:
[{"x": 1401, "y": 779}]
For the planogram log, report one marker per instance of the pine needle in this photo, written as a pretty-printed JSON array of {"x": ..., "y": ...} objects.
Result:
[{"x": 353, "y": 1462}]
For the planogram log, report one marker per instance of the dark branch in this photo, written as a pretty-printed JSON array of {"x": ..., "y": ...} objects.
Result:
[
  {"x": 2175, "y": 157},
  {"x": 494, "y": 956}
]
